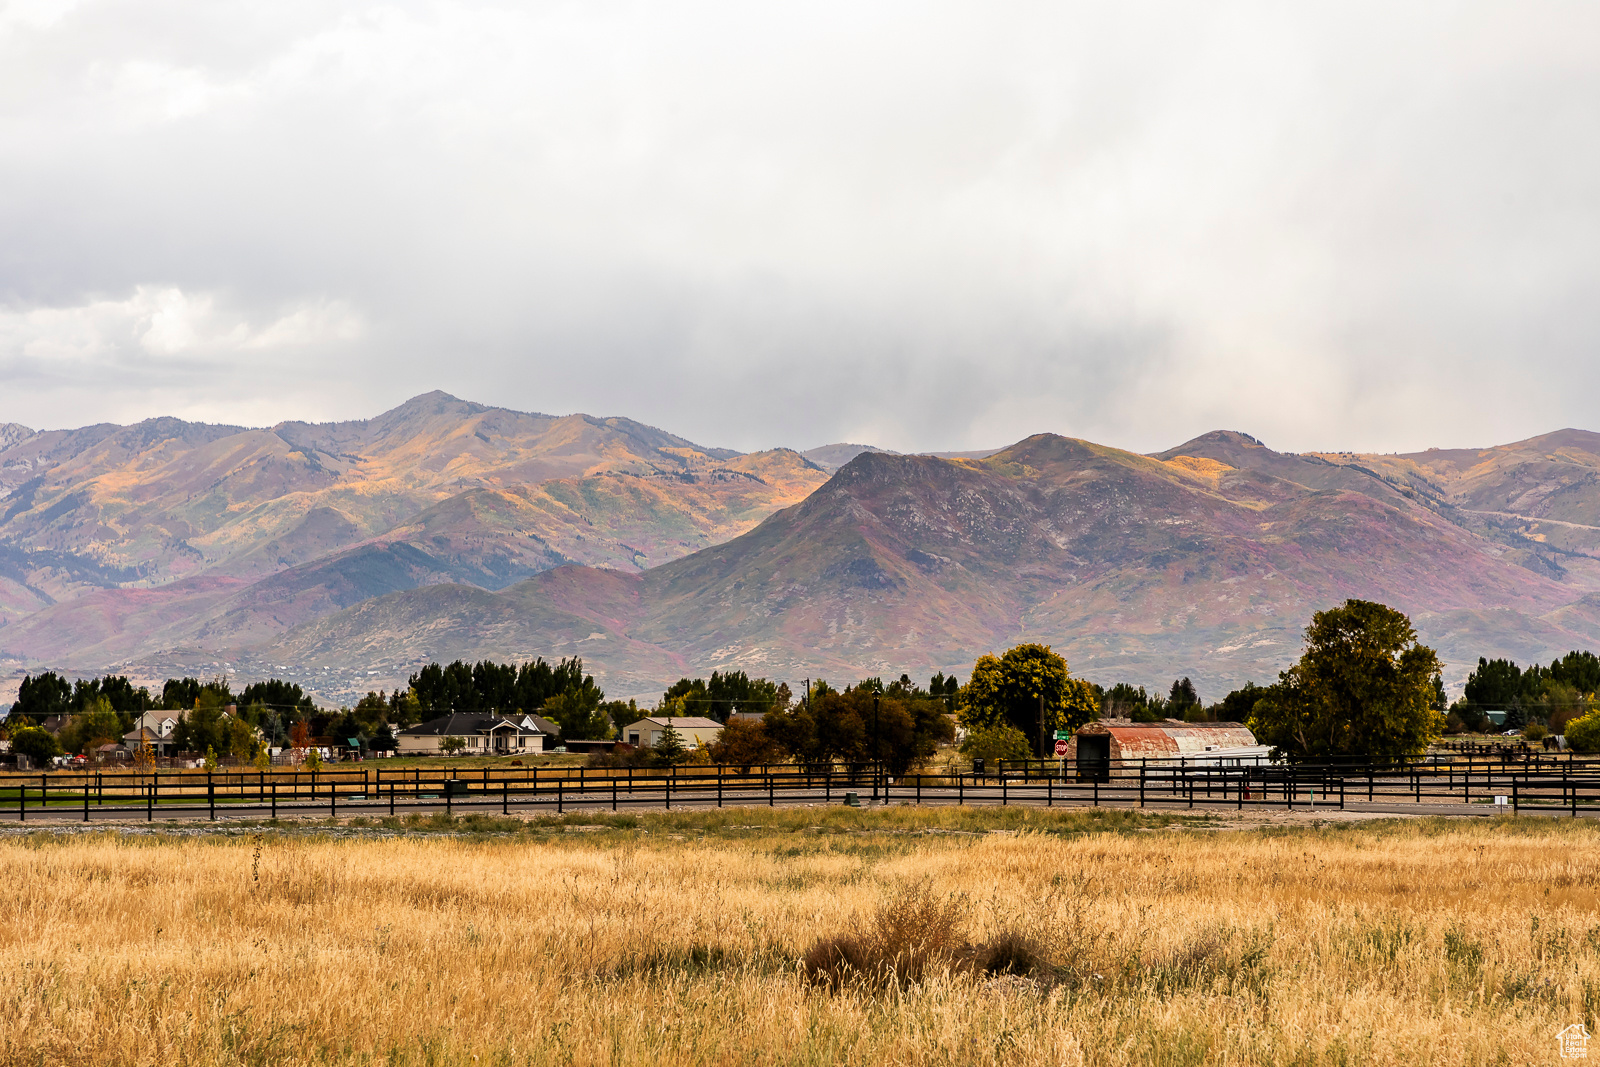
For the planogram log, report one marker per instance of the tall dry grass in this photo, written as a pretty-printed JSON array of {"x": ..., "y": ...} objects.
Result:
[{"x": 1431, "y": 943}]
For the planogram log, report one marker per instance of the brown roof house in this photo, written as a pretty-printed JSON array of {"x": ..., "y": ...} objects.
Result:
[{"x": 1121, "y": 746}]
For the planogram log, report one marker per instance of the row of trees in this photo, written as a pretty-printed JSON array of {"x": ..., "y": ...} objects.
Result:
[
  {"x": 561, "y": 692},
  {"x": 723, "y": 695},
  {"x": 1548, "y": 697},
  {"x": 102, "y": 710},
  {"x": 1364, "y": 686}
]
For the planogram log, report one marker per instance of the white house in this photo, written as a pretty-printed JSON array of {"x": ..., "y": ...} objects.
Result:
[
  {"x": 695, "y": 731},
  {"x": 154, "y": 728},
  {"x": 485, "y": 735}
]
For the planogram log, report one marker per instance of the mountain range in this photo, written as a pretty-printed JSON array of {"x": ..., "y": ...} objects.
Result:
[{"x": 343, "y": 555}]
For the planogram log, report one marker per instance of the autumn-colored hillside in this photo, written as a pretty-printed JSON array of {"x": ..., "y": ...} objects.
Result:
[
  {"x": 1205, "y": 561},
  {"x": 343, "y": 556},
  {"x": 116, "y": 542}
]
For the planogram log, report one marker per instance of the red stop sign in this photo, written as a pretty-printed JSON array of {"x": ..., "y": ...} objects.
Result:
[{"x": 1061, "y": 748}]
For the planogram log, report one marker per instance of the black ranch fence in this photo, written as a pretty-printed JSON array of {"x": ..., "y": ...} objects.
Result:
[{"x": 1482, "y": 785}]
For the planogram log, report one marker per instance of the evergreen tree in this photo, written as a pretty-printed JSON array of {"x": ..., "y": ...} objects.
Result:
[
  {"x": 1182, "y": 699},
  {"x": 41, "y": 697},
  {"x": 669, "y": 748},
  {"x": 1237, "y": 705}
]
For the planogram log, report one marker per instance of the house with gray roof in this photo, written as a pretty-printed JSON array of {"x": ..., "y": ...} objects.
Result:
[{"x": 485, "y": 735}]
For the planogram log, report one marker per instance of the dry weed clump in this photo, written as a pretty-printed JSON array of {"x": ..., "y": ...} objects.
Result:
[
  {"x": 914, "y": 933},
  {"x": 677, "y": 942}
]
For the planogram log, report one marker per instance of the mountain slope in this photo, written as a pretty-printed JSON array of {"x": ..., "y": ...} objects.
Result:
[
  {"x": 1540, "y": 496},
  {"x": 1138, "y": 567},
  {"x": 246, "y": 532}
]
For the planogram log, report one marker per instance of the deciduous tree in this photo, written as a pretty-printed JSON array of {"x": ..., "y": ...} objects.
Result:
[
  {"x": 1363, "y": 687},
  {"x": 36, "y": 743},
  {"x": 1007, "y": 689},
  {"x": 998, "y": 742},
  {"x": 744, "y": 743}
]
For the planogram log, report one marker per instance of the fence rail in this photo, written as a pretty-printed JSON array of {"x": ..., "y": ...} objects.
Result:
[{"x": 1569, "y": 786}]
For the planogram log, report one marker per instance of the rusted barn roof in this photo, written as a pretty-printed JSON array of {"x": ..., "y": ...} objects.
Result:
[{"x": 1172, "y": 737}]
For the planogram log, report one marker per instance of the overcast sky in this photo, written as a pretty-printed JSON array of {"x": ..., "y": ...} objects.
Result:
[{"x": 920, "y": 225}]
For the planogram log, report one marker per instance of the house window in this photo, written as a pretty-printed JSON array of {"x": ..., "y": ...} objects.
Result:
[{"x": 633, "y": 739}]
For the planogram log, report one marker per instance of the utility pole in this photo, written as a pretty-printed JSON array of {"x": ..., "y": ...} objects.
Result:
[
  {"x": 877, "y": 757},
  {"x": 875, "y": 734},
  {"x": 1043, "y": 751}
]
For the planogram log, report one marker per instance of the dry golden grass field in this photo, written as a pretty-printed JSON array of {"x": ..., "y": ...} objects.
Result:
[{"x": 978, "y": 937}]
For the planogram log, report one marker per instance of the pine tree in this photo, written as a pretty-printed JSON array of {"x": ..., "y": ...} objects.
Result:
[{"x": 669, "y": 747}]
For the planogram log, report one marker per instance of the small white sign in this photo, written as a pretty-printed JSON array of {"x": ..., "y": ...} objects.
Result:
[{"x": 1501, "y": 802}]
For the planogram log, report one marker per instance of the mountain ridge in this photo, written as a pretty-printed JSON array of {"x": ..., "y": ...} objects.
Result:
[
  {"x": 352, "y": 551},
  {"x": 1131, "y": 564}
]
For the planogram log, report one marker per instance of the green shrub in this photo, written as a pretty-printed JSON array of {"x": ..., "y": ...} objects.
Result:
[
  {"x": 997, "y": 742},
  {"x": 1583, "y": 735}
]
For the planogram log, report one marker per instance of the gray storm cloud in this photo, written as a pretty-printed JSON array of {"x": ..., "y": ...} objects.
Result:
[{"x": 923, "y": 225}]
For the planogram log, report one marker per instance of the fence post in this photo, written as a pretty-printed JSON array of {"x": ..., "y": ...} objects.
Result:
[
  {"x": 274, "y": 801},
  {"x": 447, "y": 792},
  {"x": 961, "y": 789},
  {"x": 919, "y": 789},
  {"x": 719, "y": 787},
  {"x": 1513, "y": 792},
  {"x": 667, "y": 782},
  {"x": 333, "y": 798},
  {"x": 85, "y": 799},
  {"x": 505, "y": 797},
  {"x": 1002, "y": 786},
  {"x": 211, "y": 797},
  {"x": 614, "y": 793},
  {"x": 1141, "y": 783},
  {"x": 150, "y": 798}
]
